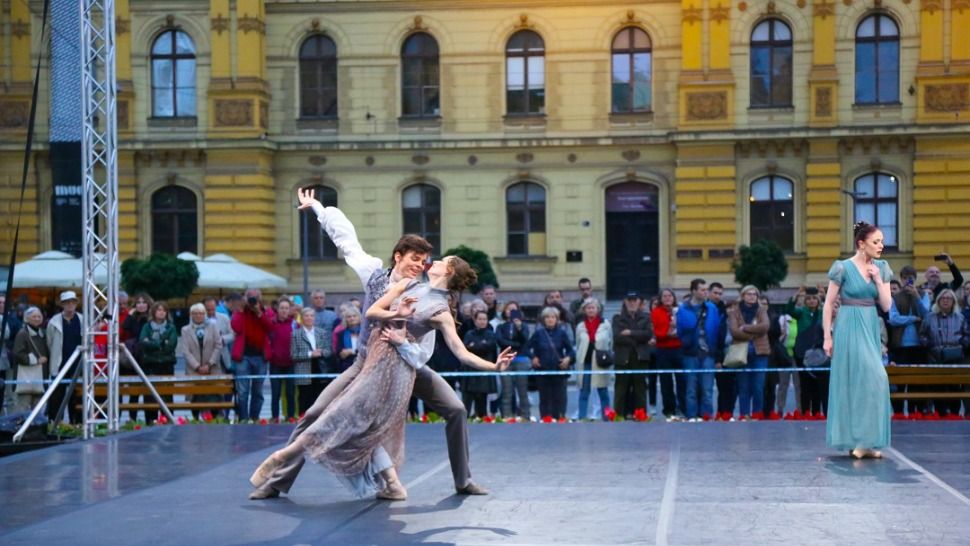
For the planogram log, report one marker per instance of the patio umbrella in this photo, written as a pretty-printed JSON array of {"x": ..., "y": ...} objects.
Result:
[
  {"x": 224, "y": 271},
  {"x": 52, "y": 269}
]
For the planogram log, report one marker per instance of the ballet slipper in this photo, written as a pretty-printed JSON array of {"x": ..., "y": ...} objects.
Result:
[
  {"x": 393, "y": 492},
  {"x": 265, "y": 470},
  {"x": 858, "y": 454}
]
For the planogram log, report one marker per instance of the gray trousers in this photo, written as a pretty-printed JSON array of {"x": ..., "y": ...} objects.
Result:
[{"x": 437, "y": 395}]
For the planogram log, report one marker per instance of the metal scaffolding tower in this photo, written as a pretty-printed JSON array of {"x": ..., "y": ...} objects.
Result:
[{"x": 99, "y": 160}]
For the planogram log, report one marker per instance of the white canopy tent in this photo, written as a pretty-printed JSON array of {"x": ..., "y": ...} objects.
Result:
[
  {"x": 53, "y": 269},
  {"x": 224, "y": 271}
]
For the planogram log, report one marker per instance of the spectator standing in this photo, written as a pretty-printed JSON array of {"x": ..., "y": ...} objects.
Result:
[
  {"x": 201, "y": 345},
  {"x": 787, "y": 379},
  {"x": 280, "y": 362},
  {"x": 325, "y": 316},
  {"x": 158, "y": 341},
  {"x": 252, "y": 325},
  {"x": 668, "y": 355},
  {"x": 934, "y": 285},
  {"x": 585, "y": 292},
  {"x": 727, "y": 393},
  {"x": 131, "y": 328},
  {"x": 551, "y": 350},
  {"x": 554, "y": 299},
  {"x": 309, "y": 346},
  {"x": 123, "y": 312},
  {"x": 31, "y": 355},
  {"x": 490, "y": 297},
  {"x": 906, "y": 315},
  {"x": 5, "y": 348},
  {"x": 224, "y": 327},
  {"x": 593, "y": 334},
  {"x": 946, "y": 336},
  {"x": 698, "y": 325},
  {"x": 346, "y": 340},
  {"x": 515, "y": 388},
  {"x": 776, "y": 359},
  {"x": 63, "y": 338},
  {"x": 475, "y": 389},
  {"x": 748, "y": 321}
]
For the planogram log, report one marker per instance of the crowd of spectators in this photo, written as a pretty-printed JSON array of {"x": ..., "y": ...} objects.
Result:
[{"x": 697, "y": 332}]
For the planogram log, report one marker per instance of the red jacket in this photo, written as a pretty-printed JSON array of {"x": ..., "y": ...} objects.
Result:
[
  {"x": 279, "y": 343},
  {"x": 252, "y": 331},
  {"x": 662, "y": 318}
]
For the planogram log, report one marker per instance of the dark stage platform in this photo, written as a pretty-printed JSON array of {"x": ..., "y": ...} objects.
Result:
[{"x": 583, "y": 484}]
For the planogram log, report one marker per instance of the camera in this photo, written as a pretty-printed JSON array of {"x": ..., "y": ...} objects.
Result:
[
  {"x": 910, "y": 281},
  {"x": 251, "y": 300},
  {"x": 940, "y": 257},
  {"x": 515, "y": 314}
]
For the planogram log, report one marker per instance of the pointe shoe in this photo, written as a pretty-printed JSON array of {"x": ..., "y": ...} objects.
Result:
[
  {"x": 393, "y": 492},
  {"x": 875, "y": 453},
  {"x": 265, "y": 470},
  {"x": 858, "y": 454},
  {"x": 264, "y": 493}
]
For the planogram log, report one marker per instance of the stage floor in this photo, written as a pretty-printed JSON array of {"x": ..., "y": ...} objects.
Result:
[{"x": 590, "y": 484}]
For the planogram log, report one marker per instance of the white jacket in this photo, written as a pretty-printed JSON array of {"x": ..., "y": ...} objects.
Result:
[{"x": 55, "y": 339}]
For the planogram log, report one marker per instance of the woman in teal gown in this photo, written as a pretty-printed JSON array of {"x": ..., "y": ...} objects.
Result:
[{"x": 859, "y": 408}]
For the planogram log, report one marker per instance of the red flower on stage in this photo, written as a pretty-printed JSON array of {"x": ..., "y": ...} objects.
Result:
[
  {"x": 291, "y": 420},
  {"x": 488, "y": 419},
  {"x": 511, "y": 420},
  {"x": 207, "y": 416},
  {"x": 424, "y": 418},
  {"x": 547, "y": 419},
  {"x": 609, "y": 414},
  {"x": 263, "y": 421},
  {"x": 640, "y": 414},
  {"x": 137, "y": 427},
  {"x": 181, "y": 421},
  {"x": 162, "y": 420},
  {"x": 562, "y": 420}
]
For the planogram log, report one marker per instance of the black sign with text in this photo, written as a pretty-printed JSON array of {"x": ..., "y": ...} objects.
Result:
[{"x": 66, "y": 212}]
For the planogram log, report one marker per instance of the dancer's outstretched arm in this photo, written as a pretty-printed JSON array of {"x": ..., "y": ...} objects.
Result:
[
  {"x": 444, "y": 323},
  {"x": 341, "y": 231}
]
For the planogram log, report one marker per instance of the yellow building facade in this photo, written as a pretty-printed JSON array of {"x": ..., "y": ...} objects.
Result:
[{"x": 635, "y": 143}]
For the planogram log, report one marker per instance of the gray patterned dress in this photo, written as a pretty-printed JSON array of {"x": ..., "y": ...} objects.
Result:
[{"x": 362, "y": 432}]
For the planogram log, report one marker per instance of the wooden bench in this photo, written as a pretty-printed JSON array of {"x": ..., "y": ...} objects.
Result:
[
  {"x": 222, "y": 386},
  {"x": 929, "y": 377}
]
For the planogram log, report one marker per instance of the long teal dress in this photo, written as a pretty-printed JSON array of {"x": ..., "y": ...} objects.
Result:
[{"x": 859, "y": 408}]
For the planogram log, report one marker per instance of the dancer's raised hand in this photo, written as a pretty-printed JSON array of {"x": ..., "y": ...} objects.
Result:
[
  {"x": 406, "y": 308},
  {"x": 306, "y": 198},
  {"x": 504, "y": 359}
]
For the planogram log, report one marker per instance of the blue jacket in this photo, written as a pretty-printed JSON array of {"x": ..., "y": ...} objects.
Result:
[
  {"x": 687, "y": 316},
  {"x": 549, "y": 346}
]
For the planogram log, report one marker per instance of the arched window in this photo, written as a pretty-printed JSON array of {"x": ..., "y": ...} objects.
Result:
[
  {"x": 318, "y": 77},
  {"x": 318, "y": 244},
  {"x": 420, "y": 91},
  {"x": 877, "y": 60},
  {"x": 525, "y": 205},
  {"x": 173, "y": 75},
  {"x": 771, "y": 64},
  {"x": 632, "y": 68},
  {"x": 525, "y": 74},
  {"x": 772, "y": 211},
  {"x": 877, "y": 202},
  {"x": 421, "y": 204},
  {"x": 175, "y": 221}
]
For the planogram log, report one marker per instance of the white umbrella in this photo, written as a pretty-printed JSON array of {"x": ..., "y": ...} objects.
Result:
[
  {"x": 224, "y": 271},
  {"x": 53, "y": 269}
]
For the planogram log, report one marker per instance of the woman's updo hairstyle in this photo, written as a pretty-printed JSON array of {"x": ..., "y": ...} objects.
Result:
[
  {"x": 462, "y": 275},
  {"x": 861, "y": 231}
]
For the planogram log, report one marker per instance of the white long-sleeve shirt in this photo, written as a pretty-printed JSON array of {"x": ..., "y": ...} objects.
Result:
[{"x": 341, "y": 231}]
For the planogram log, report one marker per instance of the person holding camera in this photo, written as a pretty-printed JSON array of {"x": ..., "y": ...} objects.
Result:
[
  {"x": 250, "y": 351},
  {"x": 947, "y": 336},
  {"x": 512, "y": 334},
  {"x": 930, "y": 290}
]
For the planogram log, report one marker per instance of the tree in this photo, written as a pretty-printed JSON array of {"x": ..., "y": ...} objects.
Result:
[
  {"x": 762, "y": 264},
  {"x": 162, "y": 276},
  {"x": 480, "y": 262}
]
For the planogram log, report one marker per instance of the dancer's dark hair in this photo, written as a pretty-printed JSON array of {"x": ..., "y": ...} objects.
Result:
[
  {"x": 410, "y": 242},
  {"x": 861, "y": 231}
]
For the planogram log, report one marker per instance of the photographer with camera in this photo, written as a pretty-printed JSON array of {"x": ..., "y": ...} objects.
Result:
[
  {"x": 250, "y": 351},
  {"x": 931, "y": 289}
]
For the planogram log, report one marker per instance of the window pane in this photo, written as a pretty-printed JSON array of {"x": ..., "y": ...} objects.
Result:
[
  {"x": 782, "y": 32},
  {"x": 889, "y": 235},
  {"x": 537, "y": 72},
  {"x": 517, "y": 244},
  {"x": 865, "y": 73},
  {"x": 865, "y": 212},
  {"x": 642, "y": 67},
  {"x": 163, "y": 44},
  {"x": 887, "y": 186},
  {"x": 761, "y": 32},
  {"x": 515, "y": 194},
  {"x": 163, "y": 229},
  {"x": 783, "y": 190},
  {"x": 432, "y": 197},
  {"x": 888, "y": 72},
  {"x": 188, "y": 234},
  {"x": 411, "y": 102},
  {"x": 431, "y": 102},
  {"x": 621, "y": 68},
  {"x": 515, "y": 101},
  {"x": 412, "y": 197},
  {"x": 412, "y": 221},
  {"x": 887, "y": 27},
  {"x": 760, "y": 60},
  {"x": 185, "y": 73},
  {"x": 622, "y": 40},
  {"x": 760, "y": 91},
  {"x": 537, "y": 101},
  {"x": 867, "y": 28},
  {"x": 640, "y": 39},
  {"x": 537, "y": 220},
  {"x": 515, "y": 68},
  {"x": 516, "y": 221},
  {"x": 183, "y": 44},
  {"x": 887, "y": 215},
  {"x": 536, "y": 193},
  {"x": 641, "y": 97},
  {"x": 162, "y": 103},
  {"x": 864, "y": 187},
  {"x": 761, "y": 190},
  {"x": 185, "y": 102},
  {"x": 162, "y": 73},
  {"x": 412, "y": 72}
]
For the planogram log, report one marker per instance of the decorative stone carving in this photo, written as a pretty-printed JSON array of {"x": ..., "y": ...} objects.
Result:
[
  {"x": 315, "y": 25},
  {"x": 418, "y": 23},
  {"x": 959, "y": 5},
  {"x": 122, "y": 26},
  {"x": 249, "y": 24},
  {"x": 219, "y": 24},
  {"x": 523, "y": 22},
  {"x": 234, "y": 113},
  {"x": 631, "y": 155},
  {"x": 947, "y": 97},
  {"x": 693, "y": 15},
  {"x": 823, "y": 102},
  {"x": 707, "y": 106},
  {"x": 571, "y": 158},
  {"x": 317, "y": 160},
  {"x": 742, "y": 6},
  {"x": 14, "y": 114},
  {"x": 472, "y": 160},
  {"x": 823, "y": 9},
  {"x": 931, "y": 6},
  {"x": 20, "y": 29},
  {"x": 847, "y": 3},
  {"x": 801, "y": 4},
  {"x": 524, "y": 157},
  {"x": 720, "y": 13},
  {"x": 369, "y": 161},
  {"x": 770, "y": 10},
  {"x": 420, "y": 159}
]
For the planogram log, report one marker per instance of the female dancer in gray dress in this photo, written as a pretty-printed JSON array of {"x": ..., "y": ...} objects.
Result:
[{"x": 360, "y": 436}]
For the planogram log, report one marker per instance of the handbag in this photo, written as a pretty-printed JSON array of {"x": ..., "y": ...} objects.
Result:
[
  {"x": 604, "y": 359},
  {"x": 33, "y": 373},
  {"x": 948, "y": 354},
  {"x": 737, "y": 355}
]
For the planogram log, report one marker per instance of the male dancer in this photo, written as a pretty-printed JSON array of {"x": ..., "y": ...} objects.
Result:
[{"x": 409, "y": 256}]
